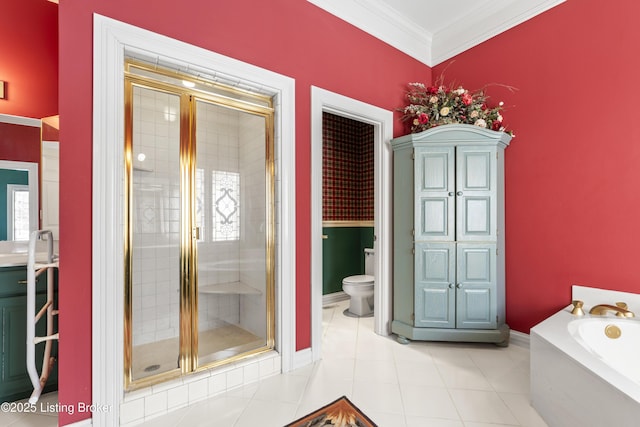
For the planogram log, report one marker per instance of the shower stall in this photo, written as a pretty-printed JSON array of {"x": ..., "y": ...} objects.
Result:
[{"x": 199, "y": 221}]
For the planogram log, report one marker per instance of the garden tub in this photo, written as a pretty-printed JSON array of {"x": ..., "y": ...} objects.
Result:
[{"x": 584, "y": 369}]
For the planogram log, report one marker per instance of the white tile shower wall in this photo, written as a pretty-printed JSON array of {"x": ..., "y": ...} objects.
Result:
[{"x": 156, "y": 216}]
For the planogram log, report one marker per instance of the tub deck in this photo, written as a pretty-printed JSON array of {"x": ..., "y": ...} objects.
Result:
[{"x": 571, "y": 386}]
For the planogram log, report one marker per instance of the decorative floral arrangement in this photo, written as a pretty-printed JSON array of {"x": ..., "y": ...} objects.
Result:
[{"x": 437, "y": 105}]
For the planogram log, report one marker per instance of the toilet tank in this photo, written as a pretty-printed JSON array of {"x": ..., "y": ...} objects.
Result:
[{"x": 369, "y": 257}]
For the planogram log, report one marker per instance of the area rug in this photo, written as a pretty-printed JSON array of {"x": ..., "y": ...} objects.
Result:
[{"x": 339, "y": 413}]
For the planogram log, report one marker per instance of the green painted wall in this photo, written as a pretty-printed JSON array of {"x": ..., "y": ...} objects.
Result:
[
  {"x": 343, "y": 255},
  {"x": 8, "y": 176}
]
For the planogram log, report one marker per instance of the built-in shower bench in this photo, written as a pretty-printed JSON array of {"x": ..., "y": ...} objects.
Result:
[{"x": 238, "y": 288}]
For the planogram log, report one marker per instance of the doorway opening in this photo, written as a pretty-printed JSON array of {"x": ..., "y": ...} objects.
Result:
[
  {"x": 323, "y": 101},
  {"x": 347, "y": 205}
]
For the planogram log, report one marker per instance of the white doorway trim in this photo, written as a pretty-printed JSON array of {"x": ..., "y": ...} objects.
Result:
[
  {"x": 382, "y": 120},
  {"x": 32, "y": 176},
  {"x": 112, "y": 41}
]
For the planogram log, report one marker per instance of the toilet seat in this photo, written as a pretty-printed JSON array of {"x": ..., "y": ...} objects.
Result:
[{"x": 360, "y": 279}]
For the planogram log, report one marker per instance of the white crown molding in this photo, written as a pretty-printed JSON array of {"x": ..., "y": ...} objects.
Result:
[
  {"x": 19, "y": 120},
  {"x": 471, "y": 30},
  {"x": 380, "y": 20}
]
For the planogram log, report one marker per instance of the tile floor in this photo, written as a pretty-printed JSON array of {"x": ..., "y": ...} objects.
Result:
[{"x": 422, "y": 384}]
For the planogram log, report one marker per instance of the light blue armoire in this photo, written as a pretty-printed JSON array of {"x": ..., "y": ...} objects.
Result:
[{"x": 448, "y": 250}]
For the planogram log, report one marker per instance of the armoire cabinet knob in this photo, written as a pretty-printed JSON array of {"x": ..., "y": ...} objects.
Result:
[{"x": 459, "y": 193}]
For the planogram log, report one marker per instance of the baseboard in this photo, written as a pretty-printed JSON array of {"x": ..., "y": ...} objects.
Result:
[
  {"x": 302, "y": 358},
  {"x": 519, "y": 338},
  {"x": 333, "y": 298}
]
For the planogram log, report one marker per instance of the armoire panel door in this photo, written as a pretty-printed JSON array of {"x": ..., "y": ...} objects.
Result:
[
  {"x": 476, "y": 192},
  {"x": 435, "y": 285},
  {"x": 435, "y": 189},
  {"x": 476, "y": 286}
]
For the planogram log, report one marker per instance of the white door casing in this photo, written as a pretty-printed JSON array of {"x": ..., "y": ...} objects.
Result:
[
  {"x": 382, "y": 120},
  {"x": 113, "y": 40}
]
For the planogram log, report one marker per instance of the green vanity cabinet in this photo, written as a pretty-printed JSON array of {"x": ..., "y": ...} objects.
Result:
[
  {"x": 449, "y": 279},
  {"x": 14, "y": 379}
]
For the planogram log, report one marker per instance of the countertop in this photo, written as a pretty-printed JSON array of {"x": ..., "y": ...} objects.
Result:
[
  {"x": 19, "y": 259},
  {"x": 14, "y": 254}
]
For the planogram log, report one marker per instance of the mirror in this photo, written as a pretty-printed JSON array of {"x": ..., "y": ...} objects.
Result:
[
  {"x": 18, "y": 199},
  {"x": 29, "y": 176},
  {"x": 50, "y": 176}
]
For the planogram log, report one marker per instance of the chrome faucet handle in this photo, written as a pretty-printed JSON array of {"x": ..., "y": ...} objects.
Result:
[{"x": 577, "y": 308}]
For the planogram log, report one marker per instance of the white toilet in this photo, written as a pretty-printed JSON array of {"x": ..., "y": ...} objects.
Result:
[{"x": 360, "y": 289}]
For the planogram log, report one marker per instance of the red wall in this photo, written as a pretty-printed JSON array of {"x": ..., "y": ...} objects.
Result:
[
  {"x": 571, "y": 201},
  {"x": 289, "y": 37},
  {"x": 571, "y": 170},
  {"x": 29, "y": 58},
  {"x": 19, "y": 143}
]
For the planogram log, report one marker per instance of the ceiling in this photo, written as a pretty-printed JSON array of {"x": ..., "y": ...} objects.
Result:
[{"x": 433, "y": 31}]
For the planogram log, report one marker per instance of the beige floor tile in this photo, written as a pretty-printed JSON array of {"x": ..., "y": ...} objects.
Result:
[
  {"x": 414, "y": 421},
  {"x": 459, "y": 371},
  {"x": 482, "y": 406},
  {"x": 425, "y": 401},
  {"x": 417, "y": 372},
  {"x": 265, "y": 413},
  {"x": 282, "y": 388},
  {"x": 384, "y": 419},
  {"x": 520, "y": 406},
  {"x": 377, "y": 397},
  {"x": 377, "y": 371},
  {"x": 422, "y": 384}
]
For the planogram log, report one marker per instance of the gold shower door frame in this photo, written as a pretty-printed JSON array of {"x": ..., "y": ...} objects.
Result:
[{"x": 189, "y": 233}]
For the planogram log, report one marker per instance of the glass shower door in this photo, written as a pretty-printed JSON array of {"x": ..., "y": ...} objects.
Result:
[
  {"x": 200, "y": 229},
  {"x": 154, "y": 219},
  {"x": 233, "y": 220}
]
